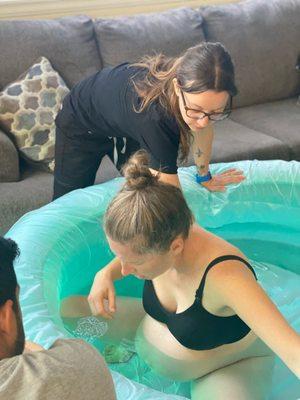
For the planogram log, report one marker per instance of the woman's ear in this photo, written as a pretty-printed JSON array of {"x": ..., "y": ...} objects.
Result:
[{"x": 177, "y": 245}]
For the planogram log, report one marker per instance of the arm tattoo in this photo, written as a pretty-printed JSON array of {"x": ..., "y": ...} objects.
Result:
[{"x": 199, "y": 152}]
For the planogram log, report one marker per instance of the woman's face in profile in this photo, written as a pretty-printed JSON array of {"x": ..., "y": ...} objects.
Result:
[{"x": 143, "y": 266}]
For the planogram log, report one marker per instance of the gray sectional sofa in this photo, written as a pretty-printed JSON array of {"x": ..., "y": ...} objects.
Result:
[{"x": 262, "y": 36}]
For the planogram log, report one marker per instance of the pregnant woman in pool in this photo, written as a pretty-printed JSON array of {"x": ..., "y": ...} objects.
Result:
[{"x": 204, "y": 317}]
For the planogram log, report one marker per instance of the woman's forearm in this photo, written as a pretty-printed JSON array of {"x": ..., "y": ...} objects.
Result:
[
  {"x": 202, "y": 147},
  {"x": 113, "y": 269}
]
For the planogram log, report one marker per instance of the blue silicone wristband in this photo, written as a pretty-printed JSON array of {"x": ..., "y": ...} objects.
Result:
[{"x": 205, "y": 178}]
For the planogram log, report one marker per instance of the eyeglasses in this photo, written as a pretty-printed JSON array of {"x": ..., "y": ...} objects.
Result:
[{"x": 197, "y": 114}]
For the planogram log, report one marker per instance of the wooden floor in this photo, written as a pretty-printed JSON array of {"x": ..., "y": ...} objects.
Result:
[{"x": 39, "y": 9}]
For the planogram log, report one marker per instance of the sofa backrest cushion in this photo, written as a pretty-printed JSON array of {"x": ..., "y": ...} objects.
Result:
[
  {"x": 263, "y": 38},
  {"x": 69, "y": 43},
  {"x": 128, "y": 38}
]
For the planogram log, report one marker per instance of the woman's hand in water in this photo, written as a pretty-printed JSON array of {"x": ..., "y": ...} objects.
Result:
[
  {"x": 219, "y": 182},
  {"x": 102, "y": 292}
]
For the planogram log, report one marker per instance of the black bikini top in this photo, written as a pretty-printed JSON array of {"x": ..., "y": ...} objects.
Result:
[{"x": 196, "y": 328}]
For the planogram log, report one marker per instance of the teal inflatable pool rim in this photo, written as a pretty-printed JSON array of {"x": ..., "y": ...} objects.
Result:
[{"x": 49, "y": 236}]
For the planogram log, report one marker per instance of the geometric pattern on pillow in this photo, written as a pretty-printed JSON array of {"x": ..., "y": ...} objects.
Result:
[{"x": 28, "y": 107}]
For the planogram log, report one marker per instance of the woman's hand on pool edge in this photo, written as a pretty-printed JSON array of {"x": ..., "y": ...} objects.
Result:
[
  {"x": 102, "y": 290},
  {"x": 219, "y": 182}
]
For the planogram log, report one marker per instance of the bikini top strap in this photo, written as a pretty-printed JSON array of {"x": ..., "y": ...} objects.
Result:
[{"x": 217, "y": 260}]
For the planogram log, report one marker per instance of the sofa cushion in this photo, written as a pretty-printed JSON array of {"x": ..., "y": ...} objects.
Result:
[
  {"x": 280, "y": 120},
  {"x": 263, "y": 38},
  {"x": 69, "y": 43},
  {"x": 28, "y": 108},
  {"x": 234, "y": 142},
  {"x": 129, "y": 38},
  {"x": 17, "y": 198},
  {"x": 9, "y": 160}
]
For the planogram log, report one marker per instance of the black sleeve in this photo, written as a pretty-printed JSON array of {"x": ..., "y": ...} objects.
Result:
[{"x": 161, "y": 140}]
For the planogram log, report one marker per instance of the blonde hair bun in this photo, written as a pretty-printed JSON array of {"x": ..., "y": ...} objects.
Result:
[{"x": 137, "y": 172}]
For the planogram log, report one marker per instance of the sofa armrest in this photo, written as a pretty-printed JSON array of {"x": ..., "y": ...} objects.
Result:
[{"x": 9, "y": 160}]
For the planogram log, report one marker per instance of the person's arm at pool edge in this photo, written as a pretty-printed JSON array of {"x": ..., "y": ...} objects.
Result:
[
  {"x": 201, "y": 146},
  {"x": 202, "y": 149}
]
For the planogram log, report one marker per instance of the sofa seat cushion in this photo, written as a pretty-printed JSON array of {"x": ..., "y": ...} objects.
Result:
[
  {"x": 28, "y": 107},
  {"x": 280, "y": 120},
  {"x": 69, "y": 43},
  {"x": 234, "y": 141},
  {"x": 263, "y": 39},
  {"x": 17, "y": 198},
  {"x": 129, "y": 38}
]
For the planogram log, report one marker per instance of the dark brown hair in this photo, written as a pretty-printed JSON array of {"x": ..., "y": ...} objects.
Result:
[
  {"x": 207, "y": 66},
  {"x": 147, "y": 214}
]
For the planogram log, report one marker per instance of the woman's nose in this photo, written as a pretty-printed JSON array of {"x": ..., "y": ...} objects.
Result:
[
  {"x": 126, "y": 269},
  {"x": 203, "y": 122}
]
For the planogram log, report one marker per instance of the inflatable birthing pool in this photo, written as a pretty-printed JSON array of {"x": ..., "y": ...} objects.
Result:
[{"x": 63, "y": 245}]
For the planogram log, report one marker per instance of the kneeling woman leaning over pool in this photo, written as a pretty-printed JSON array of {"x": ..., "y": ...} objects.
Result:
[{"x": 203, "y": 316}]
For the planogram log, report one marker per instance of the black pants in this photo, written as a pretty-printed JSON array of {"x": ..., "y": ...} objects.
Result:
[{"x": 78, "y": 155}]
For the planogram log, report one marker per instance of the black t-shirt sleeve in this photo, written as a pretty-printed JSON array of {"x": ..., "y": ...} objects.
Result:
[{"x": 160, "y": 138}]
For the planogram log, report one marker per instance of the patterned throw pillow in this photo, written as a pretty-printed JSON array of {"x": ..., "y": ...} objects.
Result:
[{"x": 28, "y": 108}]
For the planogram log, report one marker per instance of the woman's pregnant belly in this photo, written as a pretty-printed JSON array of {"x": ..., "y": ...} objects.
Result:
[{"x": 161, "y": 351}]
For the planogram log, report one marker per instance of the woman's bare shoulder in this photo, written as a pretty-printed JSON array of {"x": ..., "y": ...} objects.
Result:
[{"x": 216, "y": 246}]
